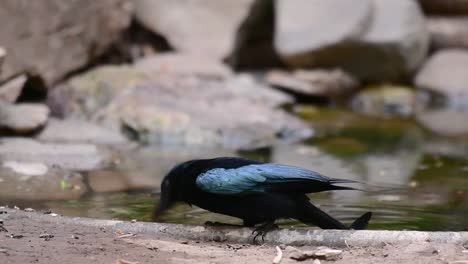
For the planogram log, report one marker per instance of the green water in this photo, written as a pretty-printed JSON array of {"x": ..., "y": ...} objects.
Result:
[{"x": 414, "y": 179}]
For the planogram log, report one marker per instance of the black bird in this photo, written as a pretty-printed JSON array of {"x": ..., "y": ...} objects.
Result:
[{"x": 256, "y": 192}]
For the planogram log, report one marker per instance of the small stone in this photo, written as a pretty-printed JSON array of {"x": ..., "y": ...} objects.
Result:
[
  {"x": 15, "y": 236},
  {"x": 316, "y": 261},
  {"x": 29, "y": 210},
  {"x": 328, "y": 253},
  {"x": 46, "y": 236},
  {"x": 320, "y": 253}
]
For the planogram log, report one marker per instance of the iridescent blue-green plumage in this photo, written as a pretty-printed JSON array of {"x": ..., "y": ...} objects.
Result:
[
  {"x": 265, "y": 177},
  {"x": 253, "y": 191}
]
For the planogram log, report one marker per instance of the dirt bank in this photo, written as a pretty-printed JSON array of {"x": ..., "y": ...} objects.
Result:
[{"x": 36, "y": 238}]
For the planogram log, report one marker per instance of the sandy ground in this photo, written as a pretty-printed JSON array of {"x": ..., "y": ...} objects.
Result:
[{"x": 27, "y": 242}]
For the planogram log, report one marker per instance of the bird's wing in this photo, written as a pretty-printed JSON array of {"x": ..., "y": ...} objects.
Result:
[{"x": 265, "y": 177}]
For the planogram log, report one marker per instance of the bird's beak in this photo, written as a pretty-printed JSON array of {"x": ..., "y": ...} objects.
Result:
[{"x": 164, "y": 203}]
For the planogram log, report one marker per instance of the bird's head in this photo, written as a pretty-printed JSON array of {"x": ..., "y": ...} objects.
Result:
[{"x": 172, "y": 188}]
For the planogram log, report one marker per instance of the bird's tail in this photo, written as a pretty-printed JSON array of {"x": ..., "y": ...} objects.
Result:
[
  {"x": 309, "y": 214},
  {"x": 361, "y": 222}
]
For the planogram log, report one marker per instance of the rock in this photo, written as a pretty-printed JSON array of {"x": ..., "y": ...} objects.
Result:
[
  {"x": 64, "y": 156},
  {"x": 11, "y": 89},
  {"x": 328, "y": 83},
  {"x": 183, "y": 109},
  {"x": 202, "y": 113},
  {"x": 68, "y": 35},
  {"x": 74, "y": 130},
  {"x": 320, "y": 253},
  {"x": 22, "y": 118},
  {"x": 445, "y": 72},
  {"x": 385, "y": 100},
  {"x": 184, "y": 64},
  {"x": 297, "y": 33},
  {"x": 366, "y": 34},
  {"x": 38, "y": 181},
  {"x": 195, "y": 26},
  {"x": 448, "y": 32},
  {"x": 83, "y": 95},
  {"x": 445, "y": 7}
]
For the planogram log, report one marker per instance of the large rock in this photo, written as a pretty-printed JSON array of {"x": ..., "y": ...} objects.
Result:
[
  {"x": 445, "y": 72},
  {"x": 22, "y": 118},
  {"x": 448, "y": 32},
  {"x": 197, "y": 26},
  {"x": 201, "y": 112},
  {"x": 376, "y": 40},
  {"x": 64, "y": 156},
  {"x": 172, "y": 108},
  {"x": 443, "y": 96},
  {"x": 53, "y": 37}
]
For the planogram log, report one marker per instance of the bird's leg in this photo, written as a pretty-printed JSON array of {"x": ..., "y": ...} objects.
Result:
[
  {"x": 209, "y": 223},
  {"x": 263, "y": 230}
]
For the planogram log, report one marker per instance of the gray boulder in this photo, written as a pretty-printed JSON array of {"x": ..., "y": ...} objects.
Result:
[
  {"x": 442, "y": 104},
  {"x": 183, "y": 109},
  {"x": 22, "y": 118},
  {"x": 203, "y": 112},
  {"x": 197, "y": 26},
  {"x": 53, "y": 37},
  {"x": 445, "y": 72},
  {"x": 376, "y": 40}
]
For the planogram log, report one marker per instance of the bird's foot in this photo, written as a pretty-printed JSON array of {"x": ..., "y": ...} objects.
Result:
[
  {"x": 209, "y": 223},
  {"x": 263, "y": 230}
]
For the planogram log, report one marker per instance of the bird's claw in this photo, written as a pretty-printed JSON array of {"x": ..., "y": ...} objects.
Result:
[{"x": 262, "y": 231}]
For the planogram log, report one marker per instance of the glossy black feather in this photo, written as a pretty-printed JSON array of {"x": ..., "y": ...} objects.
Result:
[{"x": 255, "y": 199}]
